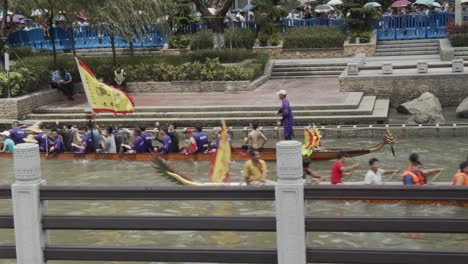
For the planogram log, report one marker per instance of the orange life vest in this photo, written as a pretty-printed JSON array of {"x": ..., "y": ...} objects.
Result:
[
  {"x": 418, "y": 178},
  {"x": 458, "y": 174}
]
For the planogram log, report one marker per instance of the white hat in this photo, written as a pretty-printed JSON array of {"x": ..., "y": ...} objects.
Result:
[
  {"x": 5, "y": 133},
  {"x": 282, "y": 92}
]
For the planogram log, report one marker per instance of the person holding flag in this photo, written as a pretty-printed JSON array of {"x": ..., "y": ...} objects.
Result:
[{"x": 221, "y": 166}]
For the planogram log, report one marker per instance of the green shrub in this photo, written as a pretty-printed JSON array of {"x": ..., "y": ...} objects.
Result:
[
  {"x": 314, "y": 37},
  {"x": 269, "y": 39},
  {"x": 364, "y": 36},
  {"x": 459, "y": 40},
  {"x": 20, "y": 81},
  {"x": 202, "y": 40},
  {"x": 178, "y": 41},
  {"x": 233, "y": 38},
  {"x": 224, "y": 56},
  {"x": 258, "y": 64}
]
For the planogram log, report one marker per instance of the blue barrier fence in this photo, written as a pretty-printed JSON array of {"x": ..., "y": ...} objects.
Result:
[
  {"x": 413, "y": 26},
  {"x": 316, "y": 21},
  {"x": 86, "y": 37},
  {"x": 196, "y": 27}
]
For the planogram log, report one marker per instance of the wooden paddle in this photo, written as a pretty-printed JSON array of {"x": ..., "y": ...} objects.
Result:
[
  {"x": 390, "y": 177},
  {"x": 437, "y": 176}
]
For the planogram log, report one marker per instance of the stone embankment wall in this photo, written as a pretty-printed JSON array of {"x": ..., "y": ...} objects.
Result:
[
  {"x": 450, "y": 88},
  {"x": 20, "y": 107}
]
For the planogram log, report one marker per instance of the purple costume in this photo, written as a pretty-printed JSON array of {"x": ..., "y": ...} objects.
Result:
[
  {"x": 139, "y": 145},
  {"x": 148, "y": 141},
  {"x": 58, "y": 145},
  {"x": 167, "y": 145},
  {"x": 201, "y": 139},
  {"x": 17, "y": 135},
  {"x": 43, "y": 142},
  {"x": 87, "y": 142},
  {"x": 287, "y": 120}
]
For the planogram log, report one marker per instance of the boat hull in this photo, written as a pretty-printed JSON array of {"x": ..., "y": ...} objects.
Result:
[{"x": 267, "y": 154}]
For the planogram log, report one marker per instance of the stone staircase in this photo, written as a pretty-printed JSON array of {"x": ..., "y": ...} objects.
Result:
[
  {"x": 460, "y": 53},
  {"x": 120, "y": 51},
  {"x": 307, "y": 70},
  {"x": 364, "y": 109},
  {"x": 407, "y": 47}
]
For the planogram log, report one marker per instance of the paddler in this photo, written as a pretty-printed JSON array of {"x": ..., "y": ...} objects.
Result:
[
  {"x": 167, "y": 142},
  {"x": 191, "y": 143},
  {"x": 255, "y": 171},
  {"x": 252, "y": 140},
  {"x": 139, "y": 145},
  {"x": 416, "y": 159},
  {"x": 41, "y": 138},
  {"x": 339, "y": 171},
  {"x": 414, "y": 175},
  {"x": 287, "y": 117},
  {"x": 8, "y": 143},
  {"x": 374, "y": 174},
  {"x": 87, "y": 145},
  {"x": 16, "y": 133},
  {"x": 148, "y": 138},
  {"x": 307, "y": 172},
  {"x": 201, "y": 139},
  {"x": 461, "y": 177},
  {"x": 57, "y": 146}
]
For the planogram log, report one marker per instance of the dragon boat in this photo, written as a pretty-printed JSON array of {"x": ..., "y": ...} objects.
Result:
[
  {"x": 178, "y": 177},
  {"x": 268, "y": 154}
]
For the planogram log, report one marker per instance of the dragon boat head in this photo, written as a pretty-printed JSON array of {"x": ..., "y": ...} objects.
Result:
[{"x": 388, "y": 138}]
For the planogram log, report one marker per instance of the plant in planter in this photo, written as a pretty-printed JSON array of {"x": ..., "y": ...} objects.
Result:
[
  {"x": 268, "y": 15},
  {"x": 359, "y": 23},
  {"x": 180, "y": 18}
]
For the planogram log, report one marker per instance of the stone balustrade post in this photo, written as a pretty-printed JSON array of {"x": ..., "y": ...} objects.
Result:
[
  {"x": 353, "y": 68},
  {"x": 458, "y": 65},
  {"x": 422, "y": 66},
  {"x": 290, "y": 205},
  {"x": 27, "y": 206},
  {"x": 387, "y": 68}
]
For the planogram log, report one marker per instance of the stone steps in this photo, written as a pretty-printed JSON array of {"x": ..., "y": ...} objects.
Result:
[
  {"x": 369, "y": 110},
  {"x": 365, "y": 108},
  {"x": 407, "y": 47},
  {"x": 460, "y": 53},
  {"x": 307, "y": 70}
]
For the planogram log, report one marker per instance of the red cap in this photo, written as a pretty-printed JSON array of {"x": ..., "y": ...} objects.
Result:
[{"x": 188, "y": 131}]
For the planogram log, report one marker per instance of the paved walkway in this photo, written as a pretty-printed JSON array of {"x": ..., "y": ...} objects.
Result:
[{"x": 301, "y": 92}]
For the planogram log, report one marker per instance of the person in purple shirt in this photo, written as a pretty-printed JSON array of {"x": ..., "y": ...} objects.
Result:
[
  {"x": 287, "y": 116},
  {"x": 87, "y": 145},
  {"x": 167, "y": 142},
  {"x": 57, "y": 146},
  {"x": 17, "y": 134},
  {"x": 43, "y": 141},
  {"x": 139, "y": 145},
  {"x": 201, "y": 140},
  {"x": 217, "y": 132},
  {"x": 148, "y": 138}
]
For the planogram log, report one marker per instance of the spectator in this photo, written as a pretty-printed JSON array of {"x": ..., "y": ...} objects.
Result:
[
  {"x": 240, "y": 17},
  {"x": 308, "y": 14},
  {"x": 293, "y": 15},
  {"x": 62, "y": 81},
  {"x": 120, "y": 80}
]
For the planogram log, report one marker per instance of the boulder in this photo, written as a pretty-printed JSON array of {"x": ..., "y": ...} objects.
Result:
[
  {"x": 425, "y": 109},
  {"x": 462, "y": 109}
]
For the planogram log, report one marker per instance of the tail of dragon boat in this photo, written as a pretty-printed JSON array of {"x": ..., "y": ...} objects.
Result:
[
  {"x": 168, "y": 171},
  {"x": 268, "y": 154}
]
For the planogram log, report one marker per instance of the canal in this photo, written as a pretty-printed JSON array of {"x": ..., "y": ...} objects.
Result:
[{"x": 435, "y": 152}]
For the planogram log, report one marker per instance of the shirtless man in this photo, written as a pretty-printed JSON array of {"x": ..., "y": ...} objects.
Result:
[{"x": 254, "y": 137}]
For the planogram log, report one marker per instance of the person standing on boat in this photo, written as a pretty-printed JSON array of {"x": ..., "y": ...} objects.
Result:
[
  {"x": 167, "y": 142},
  {"x": 253, "y": 138},
  {"x": 57, "y": 146},
  {"x": 68, "y": 134},
  {"x": 374, "y": 174},
  {"x": 287, "y": 117},
  {"x": 217, "y": 133},
  {"x": 148, "y": 138},
  {"x": 174, "y": 138},
  {"x": 191, "y": 143},
  {"x": 461, "y": 177},
  {"x": 339, "y": 170},
  {"x": 8, "y": 143},
  {"x": 201, "y": 139},
  {"x": 109, "y": 141},
  {"x": 87, "y": 145},
  {"x": 16, "y": 133},
  {"x": 255, "y": 171}
]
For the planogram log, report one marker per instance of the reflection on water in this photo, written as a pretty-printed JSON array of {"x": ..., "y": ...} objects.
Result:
[{"x": 436, "y": 152}]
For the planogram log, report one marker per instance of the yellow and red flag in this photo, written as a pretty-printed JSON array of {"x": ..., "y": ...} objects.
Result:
[
  {"x": 102, "y": 97},
  {"x": 220, "y": 170}
]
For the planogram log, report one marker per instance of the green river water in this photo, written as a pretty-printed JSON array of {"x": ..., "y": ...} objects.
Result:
[{"x": 436, "y": 152}]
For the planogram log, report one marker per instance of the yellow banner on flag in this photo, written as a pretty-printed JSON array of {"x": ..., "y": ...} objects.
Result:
[
  {"x": 220, "y": 171},
  {"x": 101, "y": 97}
]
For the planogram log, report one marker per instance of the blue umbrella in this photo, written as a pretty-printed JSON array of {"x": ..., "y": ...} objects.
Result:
[
  {"x": 196, "y": 14},
  {"x": 248, "y": 7},
  {"x": 372, "y": 4}
]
